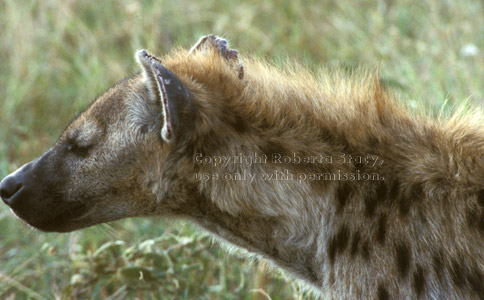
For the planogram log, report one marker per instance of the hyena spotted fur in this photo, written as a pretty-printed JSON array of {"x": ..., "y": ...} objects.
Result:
[{"x": 141, "y": 149}]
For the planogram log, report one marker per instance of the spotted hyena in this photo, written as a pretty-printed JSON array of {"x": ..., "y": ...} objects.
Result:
[{"x": 326, "y": 176}]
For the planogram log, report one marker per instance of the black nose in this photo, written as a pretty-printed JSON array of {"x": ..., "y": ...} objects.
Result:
[{"x": 8, "y": 187}]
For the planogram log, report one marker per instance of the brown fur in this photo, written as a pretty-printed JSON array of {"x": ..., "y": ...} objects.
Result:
[{"x": 416, "y": 233}]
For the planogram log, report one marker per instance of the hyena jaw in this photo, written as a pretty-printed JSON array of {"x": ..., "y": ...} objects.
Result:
[{"x": 351, "y": 193}]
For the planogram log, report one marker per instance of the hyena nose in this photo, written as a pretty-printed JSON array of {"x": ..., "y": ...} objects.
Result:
[{"x": 9, "y": 186}]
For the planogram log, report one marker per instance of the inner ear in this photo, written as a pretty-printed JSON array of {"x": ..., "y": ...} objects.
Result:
[
  {"x": 144, "y": 60},
  {"x": 174, "y": 98}
]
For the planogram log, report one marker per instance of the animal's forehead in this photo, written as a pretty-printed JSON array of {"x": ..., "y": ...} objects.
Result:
[
  {"x": 83, "y": 130},
  {"x": 109, "y": 104},
  {"x": 87, "y": 128},
  {"x": 107, "y": 108}
]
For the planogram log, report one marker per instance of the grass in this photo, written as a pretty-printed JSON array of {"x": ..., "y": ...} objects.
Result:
[{"x": 57, "y": 56}]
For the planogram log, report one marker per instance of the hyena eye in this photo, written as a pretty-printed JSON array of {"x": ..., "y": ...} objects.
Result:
[{"x": 76, "y": 149}]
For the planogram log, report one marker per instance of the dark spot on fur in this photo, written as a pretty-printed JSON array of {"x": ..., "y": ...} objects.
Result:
[
  {"x": 417, "y": 192},
  {"x": 480, "y": 199},
  {"x": 354, "y": 244},
  {"x": 394, "y": 189},
  {"x": 144, "y": 129},
  {"x": 342, "y": 196},
  {"x": 275, "y": 251},
  {"x": 344, "y": 144},
  {"x": 381, "y": 192},
  {"x": 114, "y": 191},
  {"x": 373, "y": 141},
  {"x": 404, "y": 205},
  {"x": 370, "y": 205},
  {"x": 373, "y": 199},
  {"x": 457, "y": 273},
  {"x": 381, "y": 230},
  {"x": 359, "y": 165},
  {"x": 236, "y": 122},
  {"x": 338, "y": 243},
  {"x": 312, "y": 274},
  {"x": 150, "y": 184},
  {"x": 382, "y": 293},
  {"x": 476, "y": 280},
  {"x": 208, "y": 144},
  {"x": 438, "y": 264},
  {"x": 240, "y": 125},
  {"x": 403, "y": 257},
  {"x": 419, "y": 280},
  {"x": 325, "y": 135},
  {"x": 274, "y": 150},
  {"x": 414, "y": 195},
  {"x": 475, "y": 217},
  {"x": 472, "y": 218},
  {"x": 480, "y": 224},
  {"x": 365, "y": 251},
  {"x": 394, "y": 192},
  {"x": 265, "y": 124},
  {"x": 192, "y": 148}
]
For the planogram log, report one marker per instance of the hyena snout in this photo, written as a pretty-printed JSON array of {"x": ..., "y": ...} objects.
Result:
[
  {"x": 10, "y": 185},
  {"x": 27, "y": 192}
]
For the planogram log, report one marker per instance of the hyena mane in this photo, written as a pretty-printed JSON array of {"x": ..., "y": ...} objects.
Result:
[{"x": 326, "y": 174}]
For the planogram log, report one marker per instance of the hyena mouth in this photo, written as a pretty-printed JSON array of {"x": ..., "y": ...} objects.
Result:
[
  {"x": 29, "y": 194},
  {"x": 62, "y": 221}
]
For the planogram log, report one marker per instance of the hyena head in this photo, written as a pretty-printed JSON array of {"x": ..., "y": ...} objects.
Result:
[{"x": 121, "y": 156}]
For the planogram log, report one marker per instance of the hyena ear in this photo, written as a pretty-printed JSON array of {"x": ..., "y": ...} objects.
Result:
[
  {"x": 174, "y": 98},
  {"x": 221, "y": 46}
]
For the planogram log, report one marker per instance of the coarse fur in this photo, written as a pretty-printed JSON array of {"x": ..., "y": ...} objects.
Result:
[{"x": 392, "y": 207}]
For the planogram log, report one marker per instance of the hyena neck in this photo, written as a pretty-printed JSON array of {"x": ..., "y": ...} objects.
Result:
[
  {"x": 336, "y": 233},
  {"x": 417, "y": 232},
  {"x": 268, "y": 236}
]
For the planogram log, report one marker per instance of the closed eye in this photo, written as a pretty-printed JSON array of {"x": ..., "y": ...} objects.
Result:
[{"x": 76, "y": 149}]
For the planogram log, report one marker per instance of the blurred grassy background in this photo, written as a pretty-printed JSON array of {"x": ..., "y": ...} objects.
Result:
[{"x": 57, "y": 56}]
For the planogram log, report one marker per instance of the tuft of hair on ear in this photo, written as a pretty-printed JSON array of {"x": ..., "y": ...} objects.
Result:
[{"x": 145, "y": 61}]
